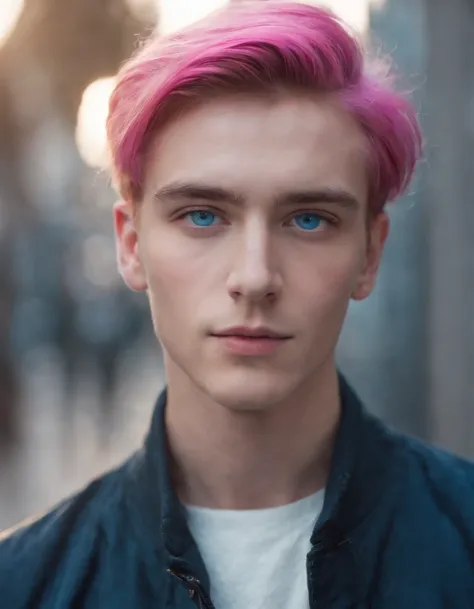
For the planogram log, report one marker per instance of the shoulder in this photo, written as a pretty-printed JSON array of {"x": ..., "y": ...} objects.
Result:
[
  {"x": 58, "y": 544},
  {"x": 439, "y": 481},
  {"x": 439, "y": 466}
]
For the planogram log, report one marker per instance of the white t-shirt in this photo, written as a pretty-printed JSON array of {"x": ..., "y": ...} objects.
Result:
[{"x": 257, "y": 558}]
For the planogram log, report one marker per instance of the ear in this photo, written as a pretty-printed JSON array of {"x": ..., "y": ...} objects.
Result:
[
  {"x": 377, "y": 235},
  {"x": 128, "y": 254}
]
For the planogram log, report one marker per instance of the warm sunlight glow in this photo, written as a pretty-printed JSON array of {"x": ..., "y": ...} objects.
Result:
[
  {"x": 9, "y": 12},
  {"x": 355, "y": 12},
  {"x": 90, "y": 129},
  {"x": 175, "y": 14},
  {"x": 145, "y": 10}
]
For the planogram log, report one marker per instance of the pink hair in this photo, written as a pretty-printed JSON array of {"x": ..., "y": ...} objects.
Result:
[{"x": 261, "y": 46}]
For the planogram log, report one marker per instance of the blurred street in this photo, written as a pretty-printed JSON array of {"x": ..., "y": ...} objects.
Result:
[
  {"x": 61, "y": 451},
  {"x": 79, "y": 367}
]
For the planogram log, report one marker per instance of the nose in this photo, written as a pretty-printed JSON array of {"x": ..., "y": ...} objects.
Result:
[{"x": 254, "y": 276}]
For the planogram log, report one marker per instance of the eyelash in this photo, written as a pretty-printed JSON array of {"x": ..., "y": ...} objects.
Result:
[{"x": 331, "y": 220}]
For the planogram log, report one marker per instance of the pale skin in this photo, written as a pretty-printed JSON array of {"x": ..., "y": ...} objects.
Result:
[{"x": 254, "y": 213}]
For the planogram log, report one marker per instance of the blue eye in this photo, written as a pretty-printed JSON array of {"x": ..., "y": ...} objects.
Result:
[
  {"x": 202, "y": 217},
  {"x": 308, "y": 221}
]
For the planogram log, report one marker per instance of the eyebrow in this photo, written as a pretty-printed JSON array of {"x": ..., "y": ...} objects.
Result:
[
  {"x": 215, "y": 194},
  {"x": 197, "y": 191}
]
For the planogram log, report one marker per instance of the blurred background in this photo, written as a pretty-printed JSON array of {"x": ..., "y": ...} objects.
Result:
[{"x": 79, "y": 366}]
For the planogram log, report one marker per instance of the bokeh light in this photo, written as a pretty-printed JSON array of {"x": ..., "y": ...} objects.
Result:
[
  {"x": 175, "y": 14},
  {"x": 91, "y": 136},
  {"x": 9, "y": 12},
  {"x": 354, "y": 12}
]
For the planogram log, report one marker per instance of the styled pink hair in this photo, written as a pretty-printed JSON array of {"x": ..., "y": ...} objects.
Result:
[{"x": 256, "y": 47}]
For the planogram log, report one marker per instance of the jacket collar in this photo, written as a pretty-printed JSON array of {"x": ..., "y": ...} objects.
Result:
[
  {"x": 360, "y": 473},
  {"x": 363, "y": 461}
]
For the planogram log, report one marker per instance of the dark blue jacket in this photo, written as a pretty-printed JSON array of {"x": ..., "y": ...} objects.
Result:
[{"x": 396, "y": 532}]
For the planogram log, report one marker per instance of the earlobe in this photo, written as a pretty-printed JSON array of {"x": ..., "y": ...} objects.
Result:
[
  {"x": 127, "y": 245},
  {"x": 363, "y": 289}
]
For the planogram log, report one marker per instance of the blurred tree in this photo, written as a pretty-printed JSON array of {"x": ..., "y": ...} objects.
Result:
[
  {"x": 56, "y": 48},
  {"x": 61, "y": 46}
]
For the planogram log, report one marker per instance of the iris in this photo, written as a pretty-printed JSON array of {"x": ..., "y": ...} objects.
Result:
[
  {"x": 202, "y": 217},
  {"x": 308, "y": 221}
]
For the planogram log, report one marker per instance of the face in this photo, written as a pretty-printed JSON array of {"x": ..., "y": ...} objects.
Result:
[{"x": 251, "y": 239}]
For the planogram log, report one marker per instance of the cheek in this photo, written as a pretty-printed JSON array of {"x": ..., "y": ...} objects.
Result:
[
  {"x": 181, "y": 273},
  {"x": 327, "y": 278}
]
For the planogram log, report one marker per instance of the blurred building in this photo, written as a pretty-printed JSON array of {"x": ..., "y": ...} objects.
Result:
[{"x": 408, "y": 349}]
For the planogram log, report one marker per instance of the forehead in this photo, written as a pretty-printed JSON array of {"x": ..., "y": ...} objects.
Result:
[{"x": 260, "y": 146}]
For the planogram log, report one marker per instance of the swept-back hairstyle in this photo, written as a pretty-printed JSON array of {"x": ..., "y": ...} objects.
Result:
[{"x": 261, "y": 46}]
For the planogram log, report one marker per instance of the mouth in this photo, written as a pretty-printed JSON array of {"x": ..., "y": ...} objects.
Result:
[
  {"x": 246, "y": 341},
  {"x": 255, "y": 333}
]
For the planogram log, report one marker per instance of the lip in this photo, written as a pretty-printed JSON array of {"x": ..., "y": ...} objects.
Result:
[
  {"x": 248, "y": 341},
  {"x": 252, "y": 332}
]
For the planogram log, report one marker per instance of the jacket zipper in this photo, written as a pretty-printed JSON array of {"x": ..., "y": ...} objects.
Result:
[{"x": 194, "y": 588}]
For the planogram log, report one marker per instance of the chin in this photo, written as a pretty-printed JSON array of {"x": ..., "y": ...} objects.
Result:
[{"x": 251, "y": 394}]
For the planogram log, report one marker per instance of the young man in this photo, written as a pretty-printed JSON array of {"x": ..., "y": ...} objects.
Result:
[{"x": 254, "y": 153}]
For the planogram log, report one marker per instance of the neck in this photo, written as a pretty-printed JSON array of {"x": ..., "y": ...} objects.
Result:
[{"x": 250, "y": 460}]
